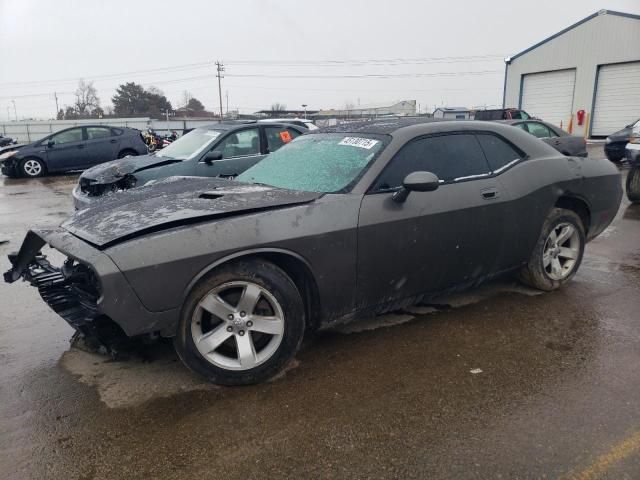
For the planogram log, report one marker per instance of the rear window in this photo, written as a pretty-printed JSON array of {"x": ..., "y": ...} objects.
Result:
[{"x": 489, "y": 115}]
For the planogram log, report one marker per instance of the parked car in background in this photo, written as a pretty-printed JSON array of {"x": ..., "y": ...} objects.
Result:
[
  {"x": 562, "y": 141},
  {"x": 340, "y": 224},
  {"x": 5, "y": 141},
  {"x": 218, "y": 150},
  {"x": 74, "y": 148},
  {"x": 501, "y": 114},
  {"x": 301, "y": 122},
  {"x": 616, "y": 143},
  {"x": 632, "y": 152}
]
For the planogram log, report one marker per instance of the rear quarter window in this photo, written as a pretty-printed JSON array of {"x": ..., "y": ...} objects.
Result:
[{"x": 500, "y": 153}]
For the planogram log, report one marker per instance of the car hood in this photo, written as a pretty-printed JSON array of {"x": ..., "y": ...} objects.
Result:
[
  {"x": 174, "y": 202},
  {"x": 621, "y": 135},
  {"x": 114, "y": 170},
  {"x": 11, "y": 148}
]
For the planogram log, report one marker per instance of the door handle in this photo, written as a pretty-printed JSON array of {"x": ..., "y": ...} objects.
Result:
[
  {"x": 80, "y": 146},
  {"x": 490, "y": 193},
  {"x": 113, "y": 141}
]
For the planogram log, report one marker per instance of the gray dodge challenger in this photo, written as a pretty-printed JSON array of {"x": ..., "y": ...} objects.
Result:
[{"x": 338, "y": 224}]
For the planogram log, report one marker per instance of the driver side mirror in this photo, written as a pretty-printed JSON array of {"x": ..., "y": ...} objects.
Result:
[
  {"x": 416, "y": 182},
  {"x": 212, "y": 156},
  {"x": 51, "y": 143}
]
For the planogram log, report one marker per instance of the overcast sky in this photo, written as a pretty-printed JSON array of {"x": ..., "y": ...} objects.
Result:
[{"x": 322, "y": 53}]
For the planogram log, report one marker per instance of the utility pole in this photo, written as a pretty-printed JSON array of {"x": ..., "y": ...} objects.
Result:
[
  {"x": 226, "y": 94},
  {"x": 219, "y": 70},
  {"x": 166, "y": 112},
  {"x": 8, "y": 113},
  {"x": 55, "y": 95},
  {"x": 15, "y": 112}
]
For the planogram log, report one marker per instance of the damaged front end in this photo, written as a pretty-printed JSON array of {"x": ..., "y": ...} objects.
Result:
[
  {"x": 76, "y": 290},
  {"x": 93, "y": 188},
  {"x": 114, "y": 176},
  {"x": 90, "y": 188},
  {"x": 9, "y": 163},
  {"x": 72, "y": 291}
]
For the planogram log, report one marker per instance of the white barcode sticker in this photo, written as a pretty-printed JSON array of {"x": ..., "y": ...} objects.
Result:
[{"x": 367, "y": 143}]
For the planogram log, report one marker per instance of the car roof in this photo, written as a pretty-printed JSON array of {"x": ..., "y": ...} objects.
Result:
[
  {"x": 386, "y": 126},
  {"x": 238, "y": 124},
  {"x": 512, "y": 121}
]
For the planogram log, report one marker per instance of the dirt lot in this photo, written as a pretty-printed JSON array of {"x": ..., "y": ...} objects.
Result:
[{"x": 501, "y": 382}]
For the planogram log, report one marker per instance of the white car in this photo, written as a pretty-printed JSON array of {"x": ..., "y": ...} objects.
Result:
[{"x": 301, "y": 122}]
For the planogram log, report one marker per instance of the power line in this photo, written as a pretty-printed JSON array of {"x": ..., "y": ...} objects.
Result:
[
  {"x": 287, "y": 63},
  {"x": 111, "y": 76},
  {"x": 369, "y": 62},
  {"x": 371, "y": 75}
]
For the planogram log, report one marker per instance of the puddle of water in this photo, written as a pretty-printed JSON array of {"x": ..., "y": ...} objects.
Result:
[{"x": 132, "y": 382}]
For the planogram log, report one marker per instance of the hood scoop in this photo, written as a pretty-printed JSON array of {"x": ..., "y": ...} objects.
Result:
[{"x": 210, "y": 195}]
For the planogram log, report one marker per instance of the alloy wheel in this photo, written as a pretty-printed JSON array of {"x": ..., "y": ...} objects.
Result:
[
  {"x": 33, "y": 168},
  {"x": 561, "y": 251},
  {"x": 237, "y": 325}
]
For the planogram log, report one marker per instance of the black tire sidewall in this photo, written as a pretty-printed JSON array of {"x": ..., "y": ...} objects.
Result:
[
  {"x": 25, "y": 174},
  {"x": 280, "y": 286},
  {"x": 536, "y": 276},
  {"x": 633, "y": 184}
]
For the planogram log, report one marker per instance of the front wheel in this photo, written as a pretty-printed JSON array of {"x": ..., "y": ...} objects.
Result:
[
  {"x": 557, "y": 254},
  {"x": 241, "y": 324},
  {"x": 633, "y": 184},
  {"x": 32, "y": 167}
]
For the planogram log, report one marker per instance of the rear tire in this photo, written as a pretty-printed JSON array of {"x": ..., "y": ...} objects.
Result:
[
  {"x": 558, "y": 252},
  {"x": 633, "y": 184},
  {"x": 32, "y": 167},
  {"x": 127, "y": 153},
  {"x": 241, "y": 324}
]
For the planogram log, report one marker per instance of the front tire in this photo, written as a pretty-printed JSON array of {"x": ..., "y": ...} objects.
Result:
[
  {"x": 558, "y": 252},
  {"x": 32, "y": 167},
  {"x": 241, "y": 324},
  {"x": 633, "y": 184}
]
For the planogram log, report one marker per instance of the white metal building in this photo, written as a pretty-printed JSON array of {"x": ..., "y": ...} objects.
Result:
[
  {"x": 593, "y": 65},
  {"x": 459, "y": 113}
]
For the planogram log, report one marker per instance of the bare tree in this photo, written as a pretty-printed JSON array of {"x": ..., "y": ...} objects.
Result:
[
  {"x": 86, "y": 98},
  {"x": 278, "y": 107},
  {"x": 186, "y": 97}
]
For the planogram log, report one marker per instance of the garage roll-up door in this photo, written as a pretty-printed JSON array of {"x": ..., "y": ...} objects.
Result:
[
  {"x": 549, "y": 95},
  {"x": 617, "y": 98}
]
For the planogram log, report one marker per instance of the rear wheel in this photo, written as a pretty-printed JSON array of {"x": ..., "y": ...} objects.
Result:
[
  {"x": 127, "y": 153},
  {"x": 633, "y": 184},
  {"x": 241, "y": 324},
  {"x": 558, "y": 252},
  {"x": 32, "y": 167}
]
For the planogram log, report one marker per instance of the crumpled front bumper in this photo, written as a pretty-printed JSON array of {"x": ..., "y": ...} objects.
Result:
[
  {"x": 87, "y": 287},
  {"x": 9, "y": 167},
  {"x": 80, "y": 199},
  {"x": 632, "y": 152}
]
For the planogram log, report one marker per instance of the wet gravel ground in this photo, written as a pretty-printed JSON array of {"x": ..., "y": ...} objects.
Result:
[{"x": 500, "y": 382}]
